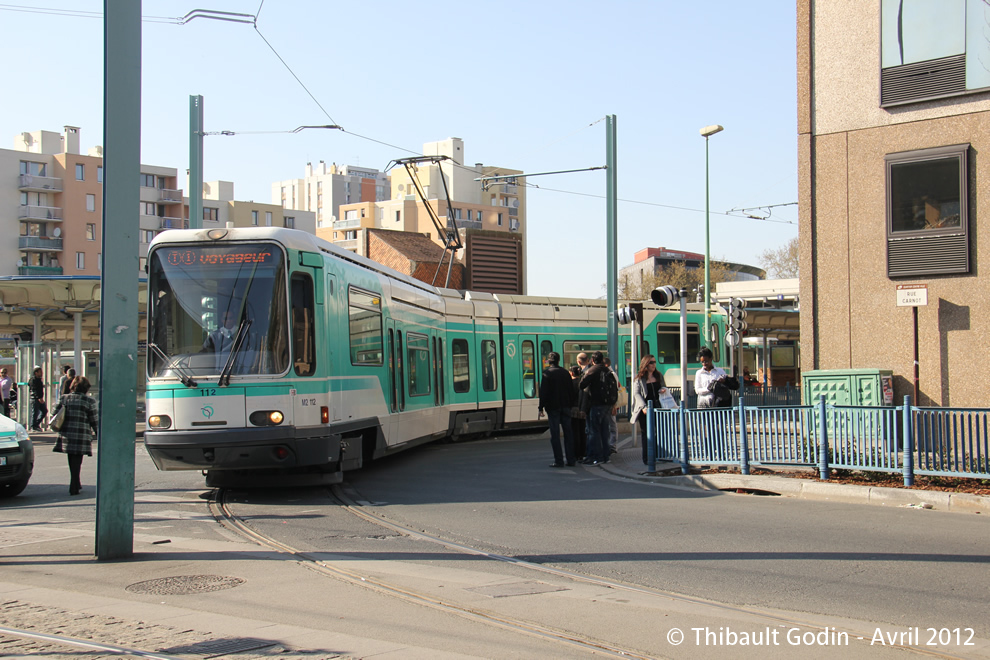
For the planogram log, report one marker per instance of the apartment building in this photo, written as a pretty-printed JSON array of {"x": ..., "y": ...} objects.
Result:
[
  {"x": 324, "y": 189},
  {"x": 58, "y": 203},
  {"x": 893, "y": 112},
  {"x": 490, "y": 219}
]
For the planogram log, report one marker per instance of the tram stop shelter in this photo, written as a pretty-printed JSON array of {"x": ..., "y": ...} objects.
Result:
[
  {"x": 773, "y": 317},
  {"x": 51, "y": 321}
]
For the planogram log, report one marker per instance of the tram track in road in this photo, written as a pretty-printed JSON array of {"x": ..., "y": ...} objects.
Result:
[{"x": 221, "y": 510}]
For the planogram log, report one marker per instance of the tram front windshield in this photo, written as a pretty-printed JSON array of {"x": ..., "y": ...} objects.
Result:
[{"x": 215, "y": 308}]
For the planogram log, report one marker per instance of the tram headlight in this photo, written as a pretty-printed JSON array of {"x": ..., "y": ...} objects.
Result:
[
  {"x": 266, "y": 417},
  {"x": 160, "y": 422}
]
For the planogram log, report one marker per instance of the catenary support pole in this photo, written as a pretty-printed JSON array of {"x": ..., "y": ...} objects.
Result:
[
  {"x": 611, "y": 206},
  {"x": 119, "y": 308},
  {"x": 195, "y": 162}
]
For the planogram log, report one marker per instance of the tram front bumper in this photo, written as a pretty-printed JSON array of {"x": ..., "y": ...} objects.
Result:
[{"x": 242, "y": 449}]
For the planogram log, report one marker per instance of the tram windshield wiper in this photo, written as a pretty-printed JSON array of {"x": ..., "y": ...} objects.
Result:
[
  {"x": 184, "y": 378},
  {"x": 235, "y": 348}
]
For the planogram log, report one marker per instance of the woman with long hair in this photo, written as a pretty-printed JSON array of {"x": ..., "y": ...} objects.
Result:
[
  {"x": 647, "y": 386},
  {"x": 75, "y": 438}
]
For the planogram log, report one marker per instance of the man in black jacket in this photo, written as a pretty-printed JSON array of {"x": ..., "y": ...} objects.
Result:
[
  {"x": 557, "y": 398},
  {"x": 39, "y": 411},
  {"x": 598, "y": 431}
]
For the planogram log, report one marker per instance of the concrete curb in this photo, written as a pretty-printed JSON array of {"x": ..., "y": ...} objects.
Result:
[{"x": 805, "y": 488}]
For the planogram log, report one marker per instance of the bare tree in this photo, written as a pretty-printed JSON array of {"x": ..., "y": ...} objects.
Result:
[
  {"x": 782, "y": 262},
  {"x": 675, "y": 274}
]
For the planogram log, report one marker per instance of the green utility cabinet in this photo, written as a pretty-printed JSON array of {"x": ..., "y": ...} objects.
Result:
[{"x": 849, "y": 387}]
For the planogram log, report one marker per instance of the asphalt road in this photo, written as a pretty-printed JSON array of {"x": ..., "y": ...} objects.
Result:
[
  {"x": 727, "y": 561},
  {"x": 892, "y": 567}
]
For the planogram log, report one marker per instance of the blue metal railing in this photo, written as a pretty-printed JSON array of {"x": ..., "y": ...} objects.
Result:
[{"x": 952, "y": 442}]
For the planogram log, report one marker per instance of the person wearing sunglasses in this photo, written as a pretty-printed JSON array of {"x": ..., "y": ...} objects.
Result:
[{"x": 647, "y": 386}]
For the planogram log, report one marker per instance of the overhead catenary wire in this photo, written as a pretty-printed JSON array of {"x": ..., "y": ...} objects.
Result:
[{"x": 253, "y": 20}]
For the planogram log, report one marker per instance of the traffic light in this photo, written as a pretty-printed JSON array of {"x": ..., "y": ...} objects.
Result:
[
  {"x": 736, "y": 322},
  {"x": 665, "y": 296}
]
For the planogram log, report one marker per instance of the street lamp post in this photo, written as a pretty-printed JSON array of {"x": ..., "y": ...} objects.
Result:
[{"x": 707, "y": 132}]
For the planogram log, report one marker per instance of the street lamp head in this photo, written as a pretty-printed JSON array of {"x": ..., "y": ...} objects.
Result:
[{"x": 711, "y": 130}]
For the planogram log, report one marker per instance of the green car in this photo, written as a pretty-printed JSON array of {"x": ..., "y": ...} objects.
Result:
[{"x": 16, "y": 457}]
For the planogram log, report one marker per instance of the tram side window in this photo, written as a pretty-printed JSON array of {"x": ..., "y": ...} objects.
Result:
[
  {"x": 303, "y": 332},
  {"x": 546, "y": 347},
  {"x": 418, "y": 363},
  {"x": 489, "y": 366},
  {"x": 365, "y": 323},
  {"x": 461, "y": 365},
  {"x": 669, "y": 343},
  {"x": 573, "y": 348},
  {"x": 528, "y": 366}
]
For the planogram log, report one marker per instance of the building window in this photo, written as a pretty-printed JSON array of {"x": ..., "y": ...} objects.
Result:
[
  {"x": 147, "y": 208},
  {"x": 80, "y": 172},
  {"x": 499, "y": 219},
  {"x": 36, "y": 169},
  {"x": 211, "y": 214},
  {"x": 928, "y": 212},
  {"x": 90, "y": 202},
  {"x": 254, "y": 218},
  {"x": 932, "y": 50},
  {"x": 290, "y": 222},
  {"x": 268, "y": 218},
  {"x": 90, "y": 231},
  {"x": 350, "y": 235},
  {"x": 147, "y": 180},
  {"x": 398, "y": 216},
  {"x": 99, "y": 174},
  {"x": 81, "y": 260}
]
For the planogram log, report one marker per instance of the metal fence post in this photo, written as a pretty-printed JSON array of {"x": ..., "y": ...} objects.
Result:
[
  {"x": 651, "y": 438},
  {"x": 908, "y": 447},
  {"x": 744, "y": 450},
  {"x": 823, "y": 440},
  {"x": 682, "y": 427}
]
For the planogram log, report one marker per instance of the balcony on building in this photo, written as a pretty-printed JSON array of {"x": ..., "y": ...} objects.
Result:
[
  {"x": 39, "y": 271},
  {"x": 32, "y": 183},
  {"x": 166, "y": 196},
  {"x": 29, "y": 212},
  {"x": 39, "y": 243},
  {"x": 174, "y": 223},
  {"x": 340, "y": 225},
  {"x": 466, "y": 224},
  {"x": 347, "y": 244}
]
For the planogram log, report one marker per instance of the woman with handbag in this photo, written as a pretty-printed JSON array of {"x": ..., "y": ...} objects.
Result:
[
  {"x": 79, "y": 425},
  {"x": 647, "y": 386}
]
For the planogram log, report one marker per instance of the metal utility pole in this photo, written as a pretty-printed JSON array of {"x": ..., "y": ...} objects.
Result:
[
  {"x": 611, "y": 206},
  {"x": 195, "y": 162},
  {"x": 119, "y": 308}
]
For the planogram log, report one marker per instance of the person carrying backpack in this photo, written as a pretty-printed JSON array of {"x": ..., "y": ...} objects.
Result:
[{"x": 603, "y": 392}]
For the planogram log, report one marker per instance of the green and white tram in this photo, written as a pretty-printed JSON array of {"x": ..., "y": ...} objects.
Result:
[{"x": 273, "y": 352}]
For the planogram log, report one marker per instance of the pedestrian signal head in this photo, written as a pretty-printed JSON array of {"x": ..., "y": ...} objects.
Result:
[{"x": 664, "y": 296}]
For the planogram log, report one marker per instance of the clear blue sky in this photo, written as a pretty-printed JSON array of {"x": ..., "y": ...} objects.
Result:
[{"x": 524, "y": 84}]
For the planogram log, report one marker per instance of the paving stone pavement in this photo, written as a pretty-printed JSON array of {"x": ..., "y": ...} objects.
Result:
[{"x": 134, "y": 635}]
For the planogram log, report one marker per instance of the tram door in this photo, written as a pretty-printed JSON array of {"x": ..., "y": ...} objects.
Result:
[
  {"x": 530, "y": 371},
  {"x": 333, "y": 312}
]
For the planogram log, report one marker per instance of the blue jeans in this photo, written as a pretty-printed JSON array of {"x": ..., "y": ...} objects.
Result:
[
  {"x": 561, "y": 416},
  {"x": 38, "y": 413},
  {"x": 598, "y": 432}
]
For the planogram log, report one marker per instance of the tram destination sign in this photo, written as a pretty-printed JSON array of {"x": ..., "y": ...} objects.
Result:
[{"x": 912, "y": 295}]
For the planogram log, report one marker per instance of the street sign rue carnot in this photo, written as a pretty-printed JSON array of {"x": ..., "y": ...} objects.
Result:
[{"x": 912, "y": 295}]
